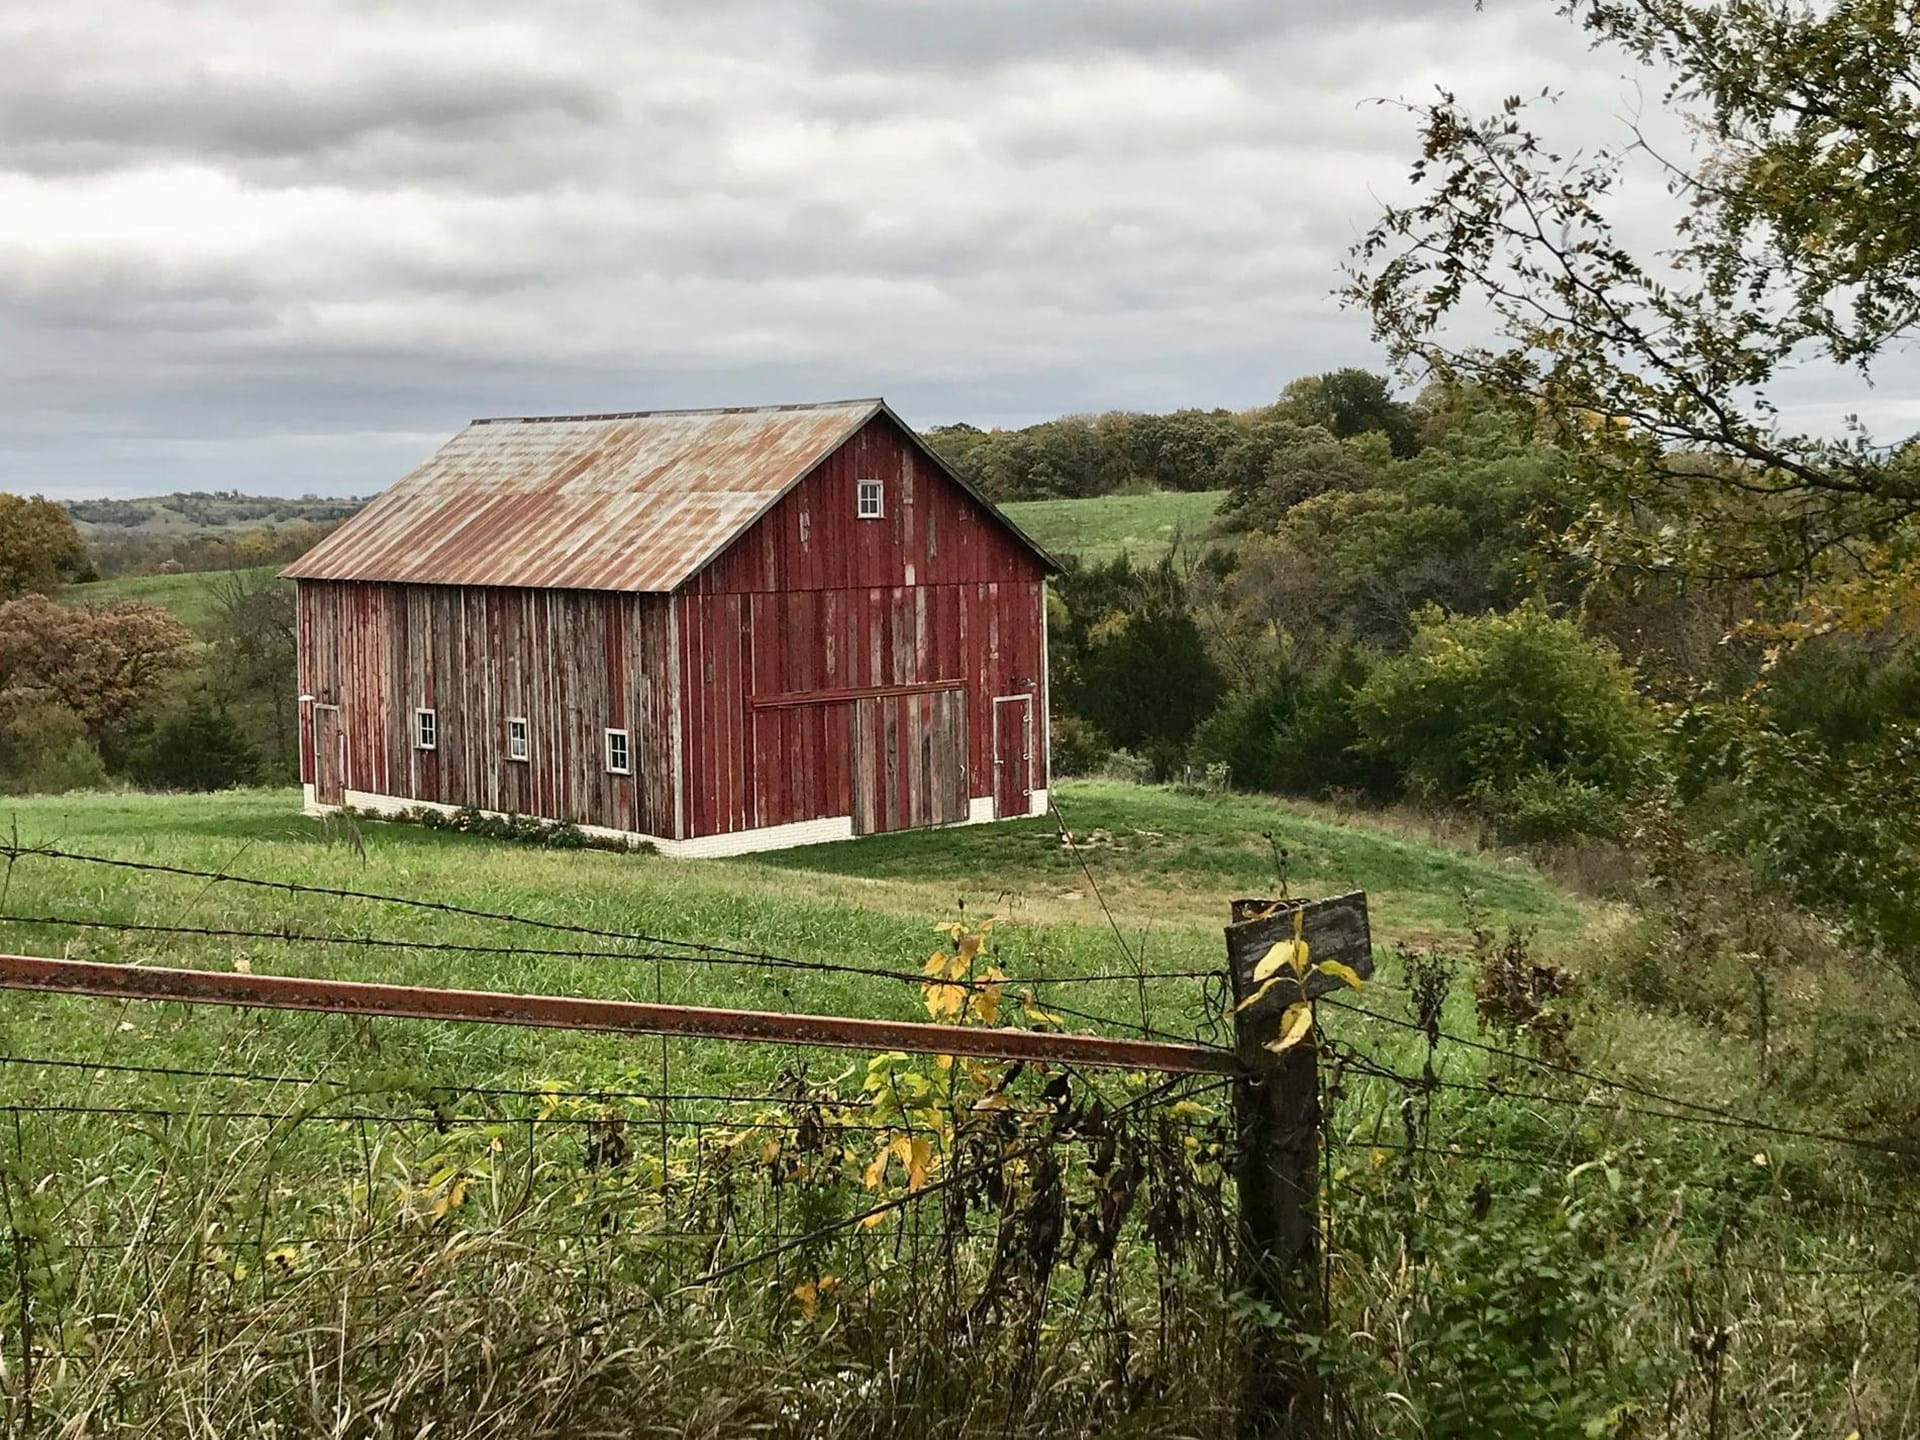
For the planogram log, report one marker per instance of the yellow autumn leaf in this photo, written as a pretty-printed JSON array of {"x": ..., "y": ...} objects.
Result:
[
  {"x": 879, "y": 1219},
  {"x": 1291, "y": 954},
  {"x": 986, "y": 1003},
  {"x": 1279, "y": 954},
  {"x": 1257, "y": 996},
  {"x": 919, "y": 1160},
  {"x": 1035, "y": 1015},
  {"x": 808, "y": 1295},
  {"x": 875, "y": 1172},
  {"x": 1346, "y": 974},
  {"x": 286, "y": 1257},
  {"x": 945, "y": 1000},
  {"x": 454, "y": 1197},
  {"x": 1294, "y": 1026}
]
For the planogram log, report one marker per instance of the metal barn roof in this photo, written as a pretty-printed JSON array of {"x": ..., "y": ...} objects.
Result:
[{"x": 637, "y": 501}]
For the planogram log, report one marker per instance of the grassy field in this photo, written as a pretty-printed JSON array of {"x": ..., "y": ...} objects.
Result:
[
  {"x": 1165, "y": 863},
  {"x": 1545, "y": 1205},
  {"x": 189, "y": 595},
  {"x": 1096, "y": 530}
]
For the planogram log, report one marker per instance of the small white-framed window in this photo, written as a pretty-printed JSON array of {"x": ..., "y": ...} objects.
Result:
[
  {"x": 619, "y": 753},
  {"x": 517, "y": 738},
  {"x": 870, "y": 501},
  {"x": 426, "y": 730}
]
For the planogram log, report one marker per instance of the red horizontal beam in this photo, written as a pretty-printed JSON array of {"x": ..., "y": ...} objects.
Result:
[
  {"x": 868, "y": 692},
  {"x": 569, "y": 1012}
]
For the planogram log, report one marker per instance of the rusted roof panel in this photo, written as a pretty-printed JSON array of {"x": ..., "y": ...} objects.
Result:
[{"x": 592, "y": 502}]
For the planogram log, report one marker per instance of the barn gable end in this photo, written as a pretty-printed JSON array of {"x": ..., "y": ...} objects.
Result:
[{"x": 820, "y": 640}]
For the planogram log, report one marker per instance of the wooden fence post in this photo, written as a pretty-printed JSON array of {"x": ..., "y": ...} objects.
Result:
[{"x": 1277, "y": 1106}]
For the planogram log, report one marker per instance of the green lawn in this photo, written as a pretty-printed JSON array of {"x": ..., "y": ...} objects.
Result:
[
  {"x": 1143, "y": 526},
  {"x": 1166, "y": 863},
  {"x": 189, "y": 595}
]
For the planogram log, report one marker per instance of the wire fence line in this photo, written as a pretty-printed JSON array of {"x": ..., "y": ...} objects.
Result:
[
  {"x": 291, "y": 935},
  {"x": 1019, "y": 1209},
  {"x": 1704, "y": 1113},
  {"x": 1018, "y": 1217},
  {"x": 675, "y": 951},
  {"x": 1019, "y": 1204}
]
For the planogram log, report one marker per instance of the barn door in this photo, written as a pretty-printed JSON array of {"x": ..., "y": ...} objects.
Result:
[
  {"x": 1012, "y": 756},
  {"x": 909, "y": 761},
  {"x": 329, "y": 756}
]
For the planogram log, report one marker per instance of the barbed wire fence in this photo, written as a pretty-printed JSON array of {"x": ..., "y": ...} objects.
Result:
[
  {"x": 977, "y": 1239},
  {"x": 973, "y": 1220}
]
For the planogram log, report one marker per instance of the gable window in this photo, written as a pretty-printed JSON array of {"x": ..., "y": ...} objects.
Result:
[
  {"x": 517, "y": 738},
  {"x": 618, "y": 760},
  {"x": 426, "y": 730},
  {"x": 870, "y": 503}
]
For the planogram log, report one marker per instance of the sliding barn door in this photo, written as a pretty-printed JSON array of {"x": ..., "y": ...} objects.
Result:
[{"x": 909, "y": 761}]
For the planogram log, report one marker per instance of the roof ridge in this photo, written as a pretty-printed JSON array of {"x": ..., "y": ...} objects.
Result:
[{"x": 691, "y": 410}]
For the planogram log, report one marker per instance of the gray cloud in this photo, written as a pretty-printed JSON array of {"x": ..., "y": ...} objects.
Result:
[{"x": 287, "y": 244}]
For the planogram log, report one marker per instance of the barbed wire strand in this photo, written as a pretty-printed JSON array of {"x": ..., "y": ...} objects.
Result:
[
  {"x": 288, "y": 934},
  {"x": 1707, "y": 1114}
]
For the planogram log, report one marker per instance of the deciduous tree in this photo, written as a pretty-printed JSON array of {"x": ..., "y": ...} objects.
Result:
[
  {"x": 1797, "y": 240},
  {"x": 104, "y": 663},
  {"x": 40, "y": 548}
]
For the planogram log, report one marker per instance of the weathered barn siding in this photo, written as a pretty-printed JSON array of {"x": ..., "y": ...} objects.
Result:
[
  {"x": 875, "y": 674},
  {"x": 933, "y": 532},
  {"x": 573, "y": 663},
  {"x": 814, "y": 611}
]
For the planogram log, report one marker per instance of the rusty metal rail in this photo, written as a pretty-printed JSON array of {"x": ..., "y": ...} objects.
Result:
[{"x": 568, "y": 1012}]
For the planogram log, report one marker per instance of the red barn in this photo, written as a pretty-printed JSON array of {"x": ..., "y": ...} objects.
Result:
[{"x": 718, "y": 630}]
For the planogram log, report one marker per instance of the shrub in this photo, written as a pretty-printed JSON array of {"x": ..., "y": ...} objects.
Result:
[
  {"x": 44, "y": 750},
  {"x": 1241, "y": 733},
  {"x": 519, "y": 829},
  {"x": 1145, "y": 677},
  {"x": 1078, "y": 748},
  {"x": 1480, "y": 706},
  {"x": 196, "y": 748},
  {"x": 1320, "y": 750},
  {"x": 1295, "y": 733},
  {"x": 1124, "y": 765},
  {"x": 1549, "y": 805},
  {"x": 1840, "y": 833}
]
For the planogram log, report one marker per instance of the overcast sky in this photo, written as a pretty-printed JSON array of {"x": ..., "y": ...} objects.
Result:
[{"x": 291, "y": 246}]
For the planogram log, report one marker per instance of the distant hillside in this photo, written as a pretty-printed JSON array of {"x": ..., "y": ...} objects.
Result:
[{"x": 200, "y": 511}]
